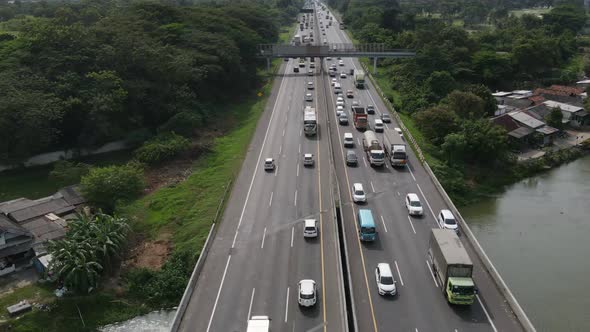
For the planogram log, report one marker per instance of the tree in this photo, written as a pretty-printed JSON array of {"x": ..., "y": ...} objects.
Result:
[
  {"x": 566, "y": 17},
  {"x": 439, "y": 84},
  {"x": 478, "y": 141},
  {"x": 436, "y": 123},
  {"x": 104, "y": 186},
  {"x": 69, "y": 172},
  {"x": 465, "y": 104},
  {"x": 555, "y": 118},
  {"x": 75, "y": 264},
  {"x": 490, "y": 103},
  {"x": 492, "y": 67}
]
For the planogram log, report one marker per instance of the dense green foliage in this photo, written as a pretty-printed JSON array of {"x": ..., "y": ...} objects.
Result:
[
  {"x": 464, "y": 50},
  {"x": 90, "y": 245},
  {"x": 161, "y": 148},
  {"x": 81, "y": 74},
  {"x": 69, "y": 171},
  {"x": 105, "y": 186}
]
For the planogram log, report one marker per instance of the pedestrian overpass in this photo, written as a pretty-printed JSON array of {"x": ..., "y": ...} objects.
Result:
[{"x": 375, "y": 51}]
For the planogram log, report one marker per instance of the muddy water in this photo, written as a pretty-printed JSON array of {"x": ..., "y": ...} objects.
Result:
[{"x": 537, "y": 233}]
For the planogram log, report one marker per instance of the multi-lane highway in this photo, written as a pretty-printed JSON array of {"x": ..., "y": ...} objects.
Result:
[
  {"x": 259, "y": 253},
  {"x": 402, "y": 240}
]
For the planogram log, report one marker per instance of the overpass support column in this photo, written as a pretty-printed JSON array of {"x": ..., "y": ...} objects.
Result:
[{"x": 374, "y": 65}]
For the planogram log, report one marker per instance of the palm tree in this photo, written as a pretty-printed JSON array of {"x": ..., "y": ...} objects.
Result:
[{"x": 75, "y": 263}]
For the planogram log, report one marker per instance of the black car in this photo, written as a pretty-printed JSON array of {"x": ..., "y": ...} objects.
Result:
[
  {"x": 351, "y": 158},
  {"x": 332, "y": 74},
  {"x": 295, "y": 69},
  {"x": 385, "y": 118}
]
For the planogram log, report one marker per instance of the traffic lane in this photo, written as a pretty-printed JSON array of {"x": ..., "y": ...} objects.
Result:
[
  {"x": 215, "y": 263},
  {"x": 362, "y": 297}
]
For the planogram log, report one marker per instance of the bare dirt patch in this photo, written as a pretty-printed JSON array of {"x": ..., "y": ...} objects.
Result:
[{"x": 150, "y": 254}]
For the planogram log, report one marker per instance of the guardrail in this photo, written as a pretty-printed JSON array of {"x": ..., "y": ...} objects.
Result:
[{"x": 487, "y": 263}]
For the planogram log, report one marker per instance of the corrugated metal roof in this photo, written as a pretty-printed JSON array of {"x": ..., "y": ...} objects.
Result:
[
  {"x": 526, "y": 119},
  {"x": 72, "y": 195},
  {"x": 547, "y": 130},
  {"x": 521, "y": 132},
  {"x": 14, "y": 205},
  {"x": 41, "y": 208},
  {"x": 44, "y": 229},
  {"x": 563, "y": 106},
  {"x": 7, "y": 225}
]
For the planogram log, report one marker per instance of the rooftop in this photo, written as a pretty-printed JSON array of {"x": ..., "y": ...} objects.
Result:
[
  {"x": 521, "y": 132},
  {"x": 563, "y": 106},
  {"x": 526, "y": 119}
]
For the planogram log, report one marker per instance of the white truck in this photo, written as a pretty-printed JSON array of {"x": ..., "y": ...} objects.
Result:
[
  {"x": 373, "y": 149},
  {"x": 395, "y": 148},
  {"x": 258, "y": 324},
  {"x": 310, "y": 121},
  {"x": 297, "y": 40},
  {"x": 359, "y": 78}
]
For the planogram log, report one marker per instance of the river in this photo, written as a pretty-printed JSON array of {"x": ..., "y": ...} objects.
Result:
[{"x": 537, "y": 234}]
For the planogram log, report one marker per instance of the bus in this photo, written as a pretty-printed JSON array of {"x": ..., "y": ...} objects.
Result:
[{"x": 367, "y": 230}]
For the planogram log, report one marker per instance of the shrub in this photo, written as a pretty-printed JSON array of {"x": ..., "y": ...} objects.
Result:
[
  {"x": 164, "y": 287},
  {"x": 183, "y": 123},
  {"x": 161, "y": 148},
  {"x": 69, "y": 172},
  {"x": 104, "y": 186}
]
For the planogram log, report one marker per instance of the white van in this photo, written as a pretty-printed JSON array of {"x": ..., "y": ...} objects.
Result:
[
  {"x": 379, "y": 125},
  {"x": 348, "y": 140},
  {"x": 310, "y": 228},
  {"x": 447, "y": 220},
  {"x": 337, "y": 88}
]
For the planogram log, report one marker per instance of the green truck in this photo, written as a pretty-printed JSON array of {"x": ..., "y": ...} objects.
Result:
[{"x": 451, "y": 266}]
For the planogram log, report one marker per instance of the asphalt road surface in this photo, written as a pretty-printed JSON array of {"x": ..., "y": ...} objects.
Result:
[
  {"x": 259, "y": 253},
  {"x": 402, "y": 241}
]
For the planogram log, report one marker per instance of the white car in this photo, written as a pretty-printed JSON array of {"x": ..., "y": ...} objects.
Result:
[
  {"x": 348, "y": 140},
  {"x": 328, "y": 58},
  {"x": 385, "y": 280},
  {"x": 309, "y": 85},
  {"x": 378, "y": 126},
  {"x": 447, "y": 220},
  {"x": 334, "y": 81},
  {"x": 308, "y": 159},
  {"x": 308, "y": 97},
  {"x": 341, "y": 63},
  {"x": 358, "y": 193},
  {"x": 269, "y": 164},
  {"x": 310, "y": 228},
  {"x": 307, "y": 293},
  {"x": 342, "y": 75},
  {"x": 414, "y": 205},
  {"x": 399, "y": 131},
  {"x": 339, "y": 110},
  {"x": 340, "y": 103}
]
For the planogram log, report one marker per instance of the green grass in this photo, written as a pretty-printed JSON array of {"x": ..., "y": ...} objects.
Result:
[
  {"x": 35, "y": 182},
  {"x": 532, "y": 11}
]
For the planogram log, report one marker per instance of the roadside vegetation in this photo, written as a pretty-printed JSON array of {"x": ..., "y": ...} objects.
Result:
[
  {"x": 444, "y": 93},
  {"x": 189, "y": 140}
]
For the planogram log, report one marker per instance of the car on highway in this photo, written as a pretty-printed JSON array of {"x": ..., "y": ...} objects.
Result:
[
  {"x": 378, "y": 125},
  {"x": 343, "y": 119},
  {"x": 386, "y": 118},
  {"x": 351, "y": 158},
  {"x": 414, "y": 205},
  {"x": 309, "y": 85},
  {"x": 339, "y": 103},
  {"x": 370, "y": 109},
  {"x": 307, "y": 293},
  {"x": 355, "y": 103},
  {"x": 308, "y": 97},
  {"x": 324, "y": 33},
  {"x": 349, "y": 94},
  {"x": 310, "y": 228},
  {"x": 332, "y": 73},
  {"x": 328, "y": 58},
  {"x": 385, "y": 280},
  {"x": 348, "y": 140},
  {"x": 310, "y": 72},
  {"x": 447, "y": 220},
  {"x": 312, "y": 64},
  {"x": 308, "y": 159},
  {"x": 339, "y": 110},
  {"x": 334, "y": 81},
  {"x": 399, "y": 131},
  {"x": 269, "y": 164},
  {"x": 358, "y": 193},
  {"x": 341, "y": 63},
  {"x": 342, "y": 75}
]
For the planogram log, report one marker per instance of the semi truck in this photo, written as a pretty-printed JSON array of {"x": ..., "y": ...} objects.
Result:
[
  {"x": 359, "y": 78},
  {"x": 297, "y": 40},
  {"x": 373, "y": 149},
  {"x": 451, "y": 266},
  {"x": 258, "y": 324},
  {"x": 310, "y": 121},
  {"x": 360, "y": 117},
  {"x": 395, "y": 148}
]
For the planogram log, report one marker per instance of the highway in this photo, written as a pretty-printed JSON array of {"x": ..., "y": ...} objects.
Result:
[
  {"x": 259, "y": 253},
  {"x": 402, "y": 241}
]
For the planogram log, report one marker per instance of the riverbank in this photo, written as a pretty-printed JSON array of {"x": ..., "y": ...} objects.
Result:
[{"x": 169, "y": 224}]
